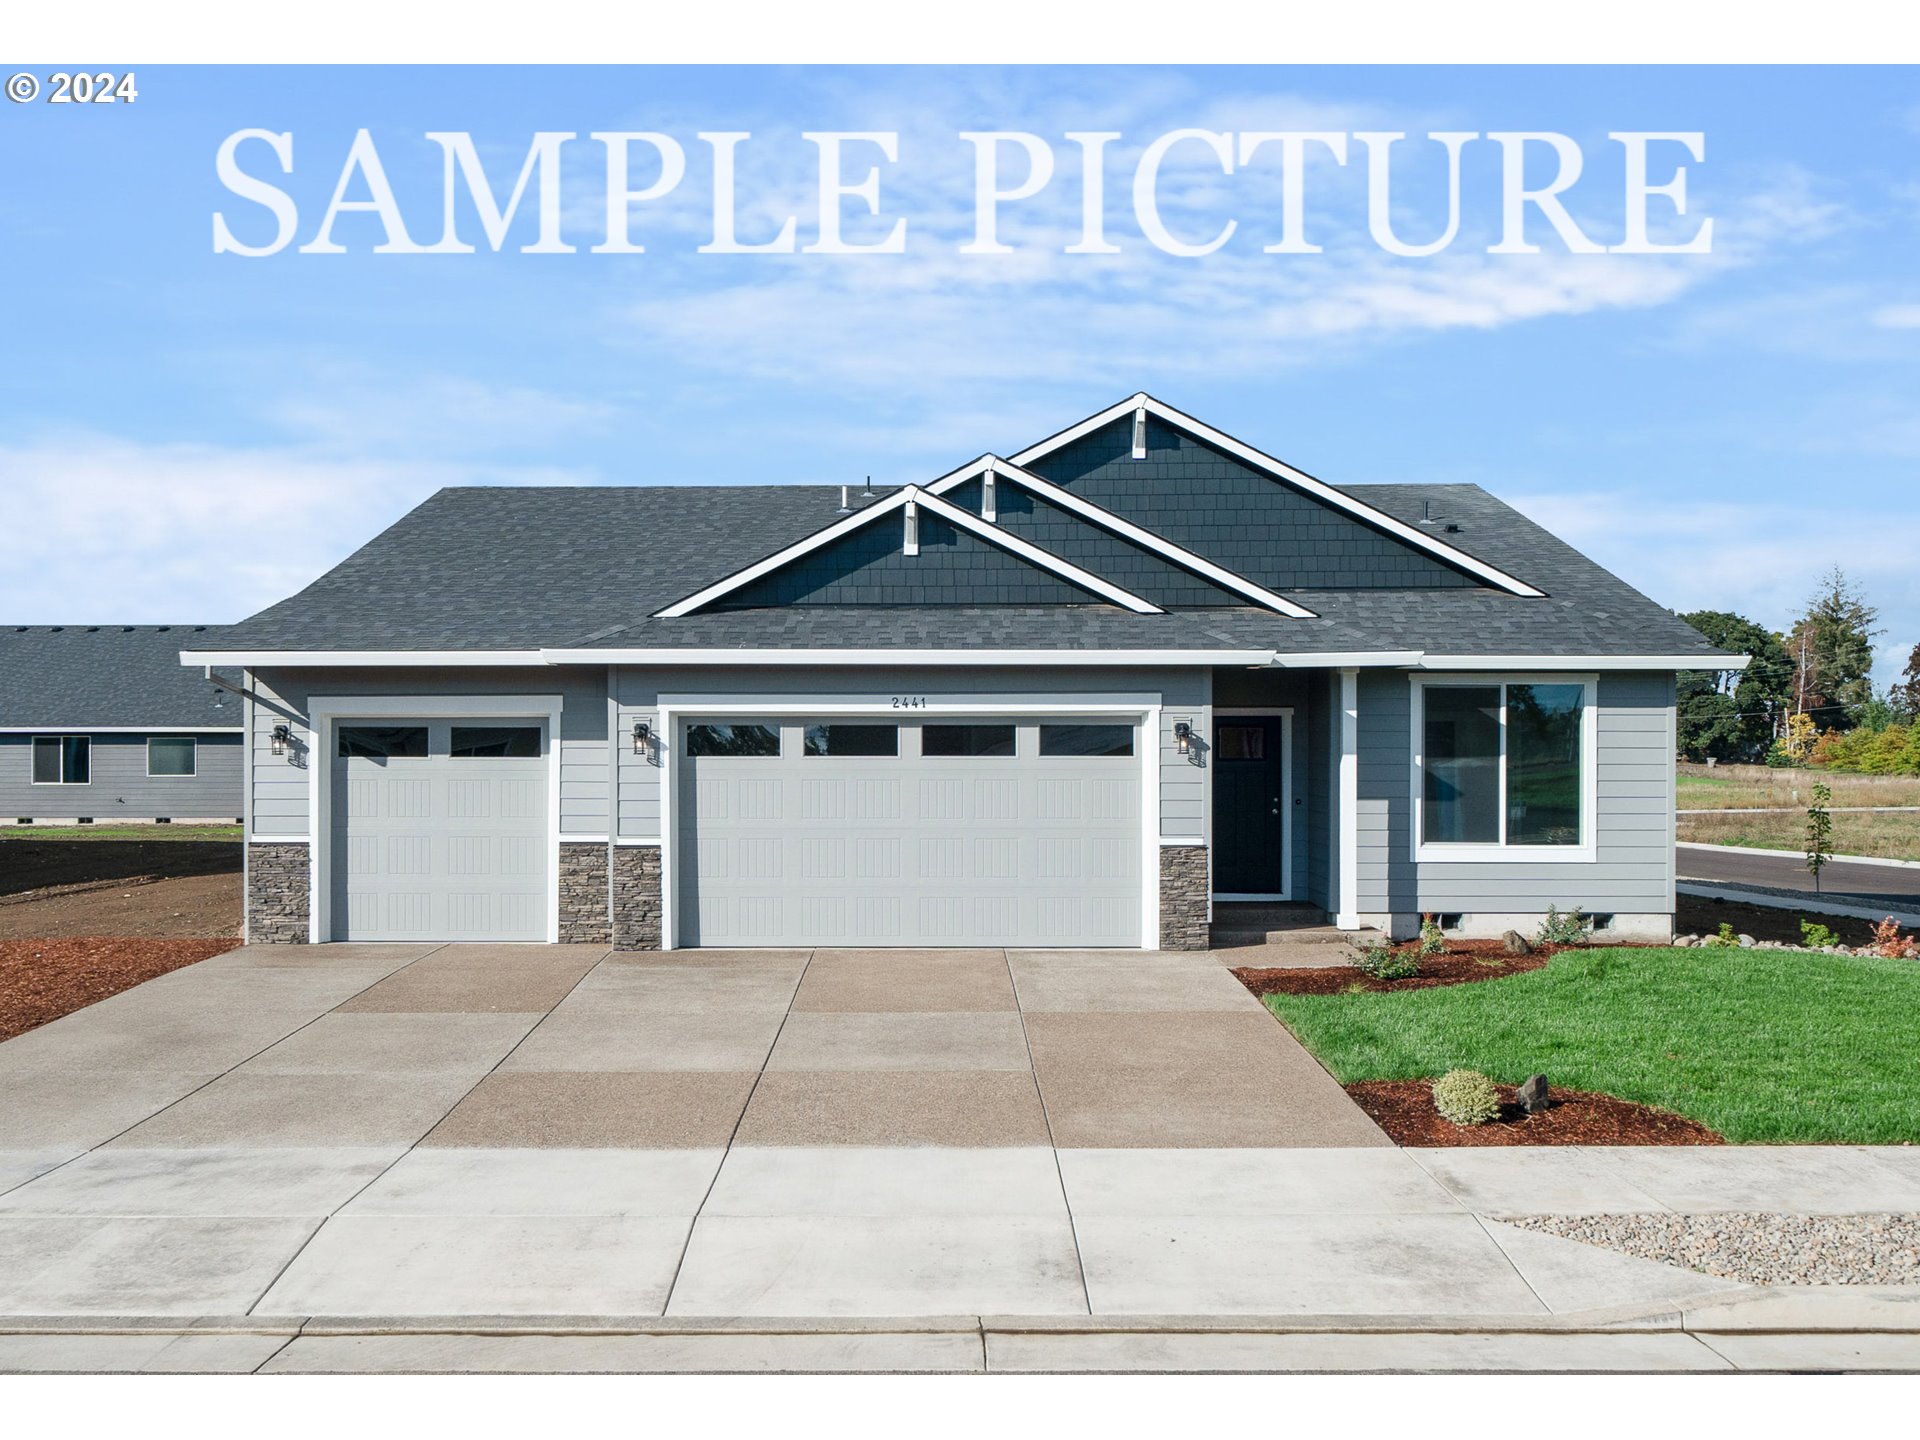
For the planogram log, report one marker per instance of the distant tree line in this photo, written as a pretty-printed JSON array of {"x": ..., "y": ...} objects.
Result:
[{"x": 1807, "y": 696}]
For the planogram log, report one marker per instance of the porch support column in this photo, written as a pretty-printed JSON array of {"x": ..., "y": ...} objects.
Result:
[{"x": 1347, "y": 810}]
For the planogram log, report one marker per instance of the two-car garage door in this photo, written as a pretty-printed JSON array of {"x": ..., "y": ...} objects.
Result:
[{"x": 926, "y": 833}]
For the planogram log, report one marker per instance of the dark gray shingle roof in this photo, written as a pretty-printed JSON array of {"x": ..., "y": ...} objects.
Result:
[
  {"x": 500, "y": 569},
  {"x": 98, "y": 676}
]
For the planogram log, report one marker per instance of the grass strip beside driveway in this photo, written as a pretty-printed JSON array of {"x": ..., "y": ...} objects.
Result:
[{"x": 1762, "y": 1046}]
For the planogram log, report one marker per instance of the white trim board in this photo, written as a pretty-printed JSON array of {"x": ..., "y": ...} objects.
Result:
[
  {"x": 162, "y": 730},
  {"x": 1280, "y": 470},
  {"x": 966, "y": 659},
  {"x": 1105, "y": 519},
  {"x": 1791, "y": 854},
  {"x": 910, "y": 498}
]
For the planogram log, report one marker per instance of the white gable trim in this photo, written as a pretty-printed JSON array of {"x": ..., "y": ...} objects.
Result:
[
  {"x": 946, "y": 510},
  {"x": 1280, "y": 470},
  {"x": 1104, "y": 518}
]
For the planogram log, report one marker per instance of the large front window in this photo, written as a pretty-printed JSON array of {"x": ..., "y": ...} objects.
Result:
[{"x": 1503, "y": 764}]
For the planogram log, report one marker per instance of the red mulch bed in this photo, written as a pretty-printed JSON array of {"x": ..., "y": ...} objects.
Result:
[
  {"x": 1404, "y": 1109},
  {"x": 41, "y": 980},
  {"x": 1463, "y": 962}
]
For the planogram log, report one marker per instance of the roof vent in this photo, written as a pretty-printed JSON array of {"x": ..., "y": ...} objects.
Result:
[
  {"x": 1451, "y": 529},
  {"x": 987, "y": 506},
  {"x": 867, "y": 494},
  {"x": 1426, "y": 516},
  {"x": 845, "y": 507},
  {"x": 910, "y": 541},
  {"x": 1140, "y": 433}
]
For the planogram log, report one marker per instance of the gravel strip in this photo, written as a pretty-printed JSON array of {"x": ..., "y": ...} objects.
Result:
[{"x": 1755, "y": 1248}]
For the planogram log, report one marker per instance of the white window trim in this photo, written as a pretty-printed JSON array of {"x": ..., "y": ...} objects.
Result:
[
  {"x": 173, "y": 774},
  {"x": 1440, "y": 852},
  {"x": 1283, "y": 713},
  {"x": 1105, "y": 519},
  {"x": 325, "y": 711},
  {"x": 1282, "y": 471},
  {"x": 38, "y": 736},
  {"x": 1146, "y": 709},
  {"x": 911, "y": 498}
]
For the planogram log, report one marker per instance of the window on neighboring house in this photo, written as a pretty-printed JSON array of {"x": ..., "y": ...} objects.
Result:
[
  {"x": 62, "y": 760},
  {"x": 171, "y": 755},
  {"x": 1504, "y": 764}
]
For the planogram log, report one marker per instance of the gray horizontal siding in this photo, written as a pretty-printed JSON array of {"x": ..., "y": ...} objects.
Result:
[
  {"x": 121, "y": 789},
  {"x": 279, "y": 783},
  {"x": 1183, "y": 778},
  {"x": 1632, "y": 870}
]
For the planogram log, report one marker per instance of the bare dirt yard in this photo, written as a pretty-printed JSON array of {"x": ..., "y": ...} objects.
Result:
[{"x": 85, "y": 915}]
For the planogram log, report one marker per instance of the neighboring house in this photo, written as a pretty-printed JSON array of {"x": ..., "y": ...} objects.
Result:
[
  {"x": 99, "y": 724},
  {"x": 1067, "y": 698}
]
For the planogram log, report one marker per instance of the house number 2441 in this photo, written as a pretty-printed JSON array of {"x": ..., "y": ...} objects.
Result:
[{"x": 909, "y": 702}]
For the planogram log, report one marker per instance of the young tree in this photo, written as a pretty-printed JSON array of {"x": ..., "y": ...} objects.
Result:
[
  {"x": 1831, "y": 647},
  {"x": 1819, "y": 833},
  {"x": 1904, "y": 695},
  {"x": 1734, "y": 714}
]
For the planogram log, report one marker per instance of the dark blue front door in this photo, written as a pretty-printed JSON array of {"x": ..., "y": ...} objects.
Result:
[{"x": 1249, "y": 805}]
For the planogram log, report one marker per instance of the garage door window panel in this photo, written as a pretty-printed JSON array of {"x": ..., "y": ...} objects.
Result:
[
  {"x": 844, "y": 740},
  {"x": 1086, "y": 740},
  {"x": 495, "y": 741},
  {"x": 735, "y": 741},
  {"x": 966, "y": 741},
  {"x": 382, "y": 742}
]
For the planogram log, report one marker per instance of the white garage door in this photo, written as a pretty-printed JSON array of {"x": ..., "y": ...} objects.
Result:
[
  {"x": 439, "y": 830},
  {"x": 860, "y": 832}
]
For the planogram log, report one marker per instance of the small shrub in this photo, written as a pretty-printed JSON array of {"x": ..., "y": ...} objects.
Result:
[
  {"x": 1816, "y": 937},
  {"x": 1466, "y": 1097},
  {"x": 1725, "y": 940},
  {"x": 1378, "y": 960},
  {"x": 1890, "y": 944},
  {"x": 1432, "y": 942},
  {"x": 1567, "y": 927}
]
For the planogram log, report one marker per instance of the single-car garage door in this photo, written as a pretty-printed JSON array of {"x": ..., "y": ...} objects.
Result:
[
  {"x": 439, "y": 830},
  {"x": 862, "y": 832}
]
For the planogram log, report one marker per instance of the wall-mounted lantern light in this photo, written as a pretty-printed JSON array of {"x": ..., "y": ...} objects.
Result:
[
  {"x": 1182, "y": 735},
  {"x": 282, "y": 738},
  {"x": 642, "y": 736}
]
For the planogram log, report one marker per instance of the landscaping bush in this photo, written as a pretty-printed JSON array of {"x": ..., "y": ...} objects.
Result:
[
  {"x": 1432, "y": 942},
  {"x": 1890, "y": 944},
  {"x": 1466, "y": 1097},
  {"x": 1816, "y": 937},
  {"x": 1725, "y": 940},
  {"x": 1378, "y": 960},
  {"x": 1565, "y": 928}
]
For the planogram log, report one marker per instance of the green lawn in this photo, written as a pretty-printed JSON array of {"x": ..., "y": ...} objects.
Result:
[
  {"x": 1761, "y": 1046},
  {"x": 119, "y": 832}
]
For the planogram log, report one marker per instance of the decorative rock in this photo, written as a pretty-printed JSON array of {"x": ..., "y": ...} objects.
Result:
[
  {"x": 1514, "y": 943},
  {"x": 1533, "y": 1094},
  {"x": 1747, "y": 942}
]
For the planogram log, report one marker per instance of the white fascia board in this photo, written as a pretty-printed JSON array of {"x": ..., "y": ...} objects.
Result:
[
  {"x": 855, "y": 657},
  {"x": 370, "y": 658},
  {"x": 1104, "y": 518},
  {"x": 1349, "y": 659},
  {"x": 1033, "y": 554},
  {"x": 825, "y": 536},
  {"x": 1319, "y": 489},
  {"x": 73, "y": 729},
  {"x": 1580, "y": 662},
  {"x": 946, "y": 510}
]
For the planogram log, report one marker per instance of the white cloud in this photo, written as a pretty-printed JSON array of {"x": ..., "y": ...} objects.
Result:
[
  {"x": 131, "y": 532},
  {"x": 1761, "y": 560},
  {"x": 1897, "y": 317}
]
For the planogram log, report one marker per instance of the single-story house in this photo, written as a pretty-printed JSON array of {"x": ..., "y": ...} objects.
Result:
[
  {"x": 1072, "y": 696},
  {"x": 99, "y": 725}
]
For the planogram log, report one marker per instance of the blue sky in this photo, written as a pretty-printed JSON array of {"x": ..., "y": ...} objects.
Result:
[{"x": 196, "y": 435}]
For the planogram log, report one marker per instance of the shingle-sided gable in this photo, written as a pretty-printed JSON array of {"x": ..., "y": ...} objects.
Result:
[
  {"x": 1251, "y": 523},
  {"x": 869, "y": 567},
  {"x": 1042, "y": 523}
]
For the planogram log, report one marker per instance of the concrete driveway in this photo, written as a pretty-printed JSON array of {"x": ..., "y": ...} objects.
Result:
[{"x": 286, "y": 1137}]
